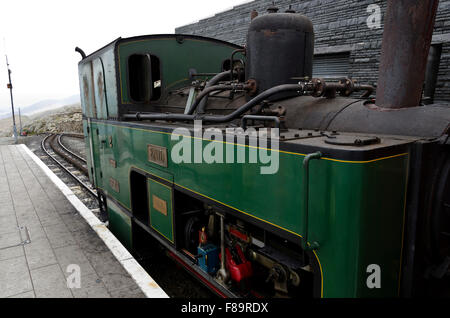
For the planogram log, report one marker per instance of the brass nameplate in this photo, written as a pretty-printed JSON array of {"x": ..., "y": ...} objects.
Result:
[
  {"x": 114, "y": 184},
  {"x": 113, "y": 163},
  {"x": 159, "y": 205},
  {"x": 157, "y": 154}
]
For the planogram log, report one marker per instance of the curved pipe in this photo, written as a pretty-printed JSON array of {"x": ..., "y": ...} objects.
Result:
[
  {"x": 368, "y": 88},
  {"x": 299, "y": 88},
  {"x": 83, "y": 55},
  {"x": 213, "y": 81},
  {"x": 205, "y": 92},
  {"x": 246, "y": 118},
  {"x": 232, "y": 57}
]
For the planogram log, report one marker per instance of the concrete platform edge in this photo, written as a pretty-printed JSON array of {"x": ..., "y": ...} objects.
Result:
[{"x": 145, "y": 282}]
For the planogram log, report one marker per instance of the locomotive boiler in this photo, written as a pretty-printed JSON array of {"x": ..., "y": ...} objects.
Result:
[{"x": 264, "y": 181}]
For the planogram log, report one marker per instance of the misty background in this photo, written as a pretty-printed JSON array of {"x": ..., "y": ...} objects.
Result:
[{"x": 40, "y": 37}]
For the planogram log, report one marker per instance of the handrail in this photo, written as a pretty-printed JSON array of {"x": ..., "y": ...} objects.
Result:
[
  {"x": 305, "y": 244},
  {"x": 244, "y": 120}
]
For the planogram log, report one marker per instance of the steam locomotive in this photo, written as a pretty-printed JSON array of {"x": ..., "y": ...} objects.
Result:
[{"x": 263, "y": 181}]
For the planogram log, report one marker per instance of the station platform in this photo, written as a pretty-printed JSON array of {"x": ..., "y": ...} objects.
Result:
[{"x": 47, "y": 234}]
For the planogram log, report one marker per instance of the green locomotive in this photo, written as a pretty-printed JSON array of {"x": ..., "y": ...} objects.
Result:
[{"x": 255, "y": 177}]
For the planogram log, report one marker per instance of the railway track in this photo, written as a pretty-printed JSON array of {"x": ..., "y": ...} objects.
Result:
[
  {"x": 76, "y": 161},
  {"x": 73, "y": 154},
  {"x": 73, "y": 168},
  {"x": 68, "y": 164}
]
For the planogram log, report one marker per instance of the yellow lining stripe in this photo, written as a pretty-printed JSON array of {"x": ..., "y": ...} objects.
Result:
[
  {"x": 171, "y": 208},
  {"x": 231, "y": 207},
  {"x": 143, "y": 170},
  {"x": 248, "y": 146},
  {"x": 205, "y": 196},
  {"x": 321, "y": 274},
  {"x": 150, "y": 217},
  {"x": 170, "y": 188},
  {"x": 171, "y": 241},
  {"x": 315, "y": 254},
  {"x": 248, "y": 214},
  {"x": 403, "y": 229}
]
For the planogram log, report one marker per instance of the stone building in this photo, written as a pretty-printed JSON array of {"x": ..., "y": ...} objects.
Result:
[{"x": 348, "y": 35}]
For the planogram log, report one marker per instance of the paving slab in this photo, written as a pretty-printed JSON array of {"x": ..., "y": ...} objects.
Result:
[
  {"x": 49, "y": 282},
  {"x": 39, "y": 253},
  {"x": 59, "y": 235},
  {"x": 11, "y": 238},
  {"x": 11, "y": 252},
  {"x": 93, "y": 287},
  {"x": 47, "y": 236},
  {"x": 29, "y": 294},
  {"x": 7, "y": 222},
  {"x": 14, "y": 277}
]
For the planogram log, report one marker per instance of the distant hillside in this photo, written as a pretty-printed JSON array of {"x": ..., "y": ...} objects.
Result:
[
  {"x": 6, "y": 125},
  {"x": 44, "y": 105},
  {"x": 63, "y": 119}
]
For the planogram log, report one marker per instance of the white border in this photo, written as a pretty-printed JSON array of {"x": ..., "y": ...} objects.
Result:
[{"x": 145, "y": 282}]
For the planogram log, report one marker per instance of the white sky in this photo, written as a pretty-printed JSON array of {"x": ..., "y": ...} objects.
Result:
[{"x": 41, "y": 36}]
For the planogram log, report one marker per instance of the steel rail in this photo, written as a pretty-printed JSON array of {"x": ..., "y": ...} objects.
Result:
[
  {"x": 79, "y": 136},
  {"x": 67, "y": 157},
  {"x": 93, "y": 193},
  {"x": 68, "y": 150}
]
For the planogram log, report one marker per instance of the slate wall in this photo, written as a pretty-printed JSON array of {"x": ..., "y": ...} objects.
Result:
[{"x": 340, "y": 26}]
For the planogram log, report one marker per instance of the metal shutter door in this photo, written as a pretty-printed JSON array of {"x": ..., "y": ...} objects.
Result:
[{"x": 331, "y": 65}]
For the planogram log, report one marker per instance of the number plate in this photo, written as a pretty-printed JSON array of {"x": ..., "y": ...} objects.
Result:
[
  {"x": 157, "y": 154},
  {"x": 114, "y": 184},
  {"x": 159, "y": 204}
]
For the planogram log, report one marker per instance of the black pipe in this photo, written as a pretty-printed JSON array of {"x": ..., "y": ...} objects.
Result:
[
  {"x": 368, "y": 88},
  {"x": 232, "y": 57},
  {"x": 232, "y": 61},
  {"x": 213, "y": 81},
  {"x": 205, "y": 92},
  {"x": 299, "y": 88},
  {"x": 152, "y": 116},
  {"x": 83, "y": 55},
  {"x": 346, "y": 88}
]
